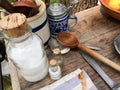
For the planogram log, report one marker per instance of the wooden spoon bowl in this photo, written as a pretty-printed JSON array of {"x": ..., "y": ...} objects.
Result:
[{"x": 66, "y": 39}]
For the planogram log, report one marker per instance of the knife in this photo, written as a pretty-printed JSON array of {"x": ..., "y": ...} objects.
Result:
[{"x": 112, "y": 84}]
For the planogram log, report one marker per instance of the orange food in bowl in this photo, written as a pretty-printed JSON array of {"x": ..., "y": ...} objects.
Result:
[
  {"x": 111, "y": 8},
  {"x": 115, "y": 4}
]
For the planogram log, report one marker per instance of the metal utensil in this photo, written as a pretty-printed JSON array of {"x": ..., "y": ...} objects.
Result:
[{"x": 112, "y": 84}]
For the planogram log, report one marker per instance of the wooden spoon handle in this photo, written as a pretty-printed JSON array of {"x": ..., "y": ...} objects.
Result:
[
  {"x": 7, "y": 6},
  {"x": 99, "y": 57}
]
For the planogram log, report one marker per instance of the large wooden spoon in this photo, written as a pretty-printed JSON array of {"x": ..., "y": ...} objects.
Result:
[
  {"x": 68, "y": 39},
  {"x": 7, "y": 6},
  {"x": 27, "y": 7}
]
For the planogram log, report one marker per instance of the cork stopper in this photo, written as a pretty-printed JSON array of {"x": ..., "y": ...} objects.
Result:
[
  {"x": 53, "y": 62},
  {"x": 14, "y": 25},
  {"x": 56, "y": 51}
]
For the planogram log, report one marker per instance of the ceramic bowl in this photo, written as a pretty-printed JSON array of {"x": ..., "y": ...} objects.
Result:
[
  {"x": 110, "y": 11},
  {"x": 117, "y": 43}
]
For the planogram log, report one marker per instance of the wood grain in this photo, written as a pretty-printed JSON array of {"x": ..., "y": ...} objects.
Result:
[{"x": 14, "y": 76}]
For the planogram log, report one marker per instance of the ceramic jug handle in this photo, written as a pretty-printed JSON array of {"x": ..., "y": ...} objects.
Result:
[{"x": 72, "y": 21}]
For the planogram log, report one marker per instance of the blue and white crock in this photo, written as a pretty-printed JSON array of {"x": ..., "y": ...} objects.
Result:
[{"x": 57, "y": 18}]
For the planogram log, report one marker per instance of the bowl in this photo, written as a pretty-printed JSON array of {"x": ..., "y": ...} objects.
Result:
[
  {"x": 110, "y": 11},
  {"x": 117, "y": 44}
]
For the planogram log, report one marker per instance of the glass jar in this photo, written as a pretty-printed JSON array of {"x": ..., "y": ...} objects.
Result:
[{"x": 28, "y": 54}]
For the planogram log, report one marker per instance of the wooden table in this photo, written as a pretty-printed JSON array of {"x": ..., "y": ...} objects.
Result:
[{"x": 94, "y": 29}]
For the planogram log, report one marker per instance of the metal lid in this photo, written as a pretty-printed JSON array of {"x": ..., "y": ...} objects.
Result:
[{"x": 56, "y": 9}]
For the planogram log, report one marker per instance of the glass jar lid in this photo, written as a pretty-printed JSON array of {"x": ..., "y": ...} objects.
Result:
[{"x": 56, "y": 9}]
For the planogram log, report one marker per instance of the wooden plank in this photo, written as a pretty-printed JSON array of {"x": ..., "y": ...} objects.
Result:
[{"x": 14, "y": 76}]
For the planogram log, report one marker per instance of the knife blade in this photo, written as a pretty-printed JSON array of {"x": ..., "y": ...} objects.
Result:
[{"x": 112, "y": 84}]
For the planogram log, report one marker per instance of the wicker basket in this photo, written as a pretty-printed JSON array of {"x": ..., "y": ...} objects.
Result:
[{"x": 81, "y": 5}]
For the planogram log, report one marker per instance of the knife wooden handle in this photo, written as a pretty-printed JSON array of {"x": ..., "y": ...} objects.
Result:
[{"x": 99, "y": 57}]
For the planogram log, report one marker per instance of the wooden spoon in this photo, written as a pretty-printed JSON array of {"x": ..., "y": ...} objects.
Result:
[
  {"x": 27, "y": 7},
  {"x": 7, "y": 6},
  {"x": 68, "y": 39}
]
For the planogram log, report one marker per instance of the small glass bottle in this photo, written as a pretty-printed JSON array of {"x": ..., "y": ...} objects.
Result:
[
  {"x": 57, "y": 56},
  {"x": 53, "y": 43},
  {"x": 54, "y": 70}
]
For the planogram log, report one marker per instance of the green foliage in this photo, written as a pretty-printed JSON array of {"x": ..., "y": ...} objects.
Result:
[
  {"x": 10, "y": 1},
  {"x": 54, "y": 1},
  {"x": 7, "y": 83},
  {"x": 43, "y": 0}
]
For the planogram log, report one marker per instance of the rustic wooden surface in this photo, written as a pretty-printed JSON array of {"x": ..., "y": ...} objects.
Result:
[{"x": 95, "y": 29}]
